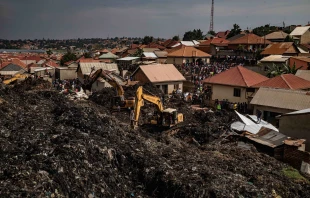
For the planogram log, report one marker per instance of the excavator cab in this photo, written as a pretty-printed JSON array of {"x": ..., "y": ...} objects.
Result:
[
  {"x": 171, "y": 117},
  {"x": 122, "y": 103}
]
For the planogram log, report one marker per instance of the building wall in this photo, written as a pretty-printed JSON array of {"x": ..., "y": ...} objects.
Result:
[
  {"x": 305, "y": 38},
  {"x": 176, "y": 61},
  {"x": 28, "y": 61},
  {"x": 141, "y": 77},
  {"x": 67, "y": 74},
  {"x": 298, "y": 63},
  {"x": 221, "y": 92},
  {"x": 161, "y": 60},
  {"x": 296, "y": 126},
  {"x": 171, "y": 86}
]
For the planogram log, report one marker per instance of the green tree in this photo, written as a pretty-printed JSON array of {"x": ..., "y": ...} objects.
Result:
[
  {"x": 276, "y": 70},
  {"x": 68, "y": 57},
  {"x": 234, "y": 31},
  {"x": 288, "y": 38},
  {"x": 176, "y": 38},
  {"x": 264, "y": 30},
  {"x": 212, "y": 32},
  {"x": 290, "y": 70},
  {"x": 138, "y": 53},
  {"x": 87, "y": 55},
  {"x": 49, "y": 52},
  {"x": 136, "y": 42},
  {"x": 193, "y": 35},
  {"x": 147, "y": 40}
]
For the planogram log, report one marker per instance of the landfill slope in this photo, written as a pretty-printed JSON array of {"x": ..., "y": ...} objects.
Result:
[{"x": 55, "y": 147}]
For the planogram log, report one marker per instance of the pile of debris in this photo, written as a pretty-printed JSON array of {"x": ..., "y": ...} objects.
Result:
[{"x": 55, "y": 147}]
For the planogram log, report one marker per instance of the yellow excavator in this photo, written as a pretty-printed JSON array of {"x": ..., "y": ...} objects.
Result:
[
  {"x": 164, "y": 117},
  {"x": 15, "y": 78},
  {"x": 117, "y": 101}
]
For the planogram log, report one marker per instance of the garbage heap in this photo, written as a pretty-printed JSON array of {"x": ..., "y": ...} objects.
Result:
[{"x": 55, "y": 147}]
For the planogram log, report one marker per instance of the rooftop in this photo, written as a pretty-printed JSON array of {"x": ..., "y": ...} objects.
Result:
[
  {"x": 298, "y": 31},
  {"x": 236, "y": 76},
  {"x": 280, "y": 48},
  {"x": 187, "y": 51},
  {"x": 249, "y": 39},
  {"x": 275, "y": 58},
  {"x": 285, "y": 81},
  {"x": 276, "y": 35},
  {"x": 282, "y": 98},
  {"x": 161, "y": 73}
]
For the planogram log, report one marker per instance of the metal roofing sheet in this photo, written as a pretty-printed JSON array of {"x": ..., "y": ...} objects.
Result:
[
  {"x": 249, "y": 124},
  {"x": 128, "y": 58},
  {"x": 86, "y": 67},
  {"x": 108, "y": 55},
  {"x": 298, "y": 112},
  {"x": 149, "y": 55},
  {"x": 298, "y": 31},
  {"x": 275, "y": 58},
  {"x": 282, "y": 98},
  {"x": 162, "y": 73},
  {"x": 188, "y": 43},
  {"x": 268, "y": 137}
]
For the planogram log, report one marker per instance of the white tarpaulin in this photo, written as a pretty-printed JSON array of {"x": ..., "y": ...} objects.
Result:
[{"x": 305, "y": 167}]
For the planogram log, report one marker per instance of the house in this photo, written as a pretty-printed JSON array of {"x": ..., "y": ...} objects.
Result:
[
  {"x": 149, "y": 56},
  {"x": 300, "y": 61},
  {"x": 187, "y": 54},
  {"x": 301, "y": 35},
  {"x": 284, "y": 48},
  {"x": 296, "y": 124},
  {"x": 222, "y": 34},
  {"x": 161, "y": 56},
  {"x": 127, "y": 61},
  {"x": 30, "y": 59},
  {"x": 304, "y": 74},
  {"x": 10, "y": 70},
  {"x": 213, "y": 45},
  {"x": 84, "y": 70},
  {"x": 273, "y": 102},
  {"x": 186, "y": 43},
  {"x": 248, "y": 42},
  {"x": 285, "y": 81},
  {"x": 66, "y": 73},
  {"x": 108, "y": 57},
  {"x": 234, "y": 84},
  {"x": 15, "y": 61},
  {"x": 164, "y": 76},
  {"x": 268, "y": 61},
  {"x": 278, "y": 36},
  {"x": 71, "y": 64}
]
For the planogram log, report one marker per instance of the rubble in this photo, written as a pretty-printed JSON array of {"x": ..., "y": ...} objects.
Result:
[{"x": 55, "y": 147}]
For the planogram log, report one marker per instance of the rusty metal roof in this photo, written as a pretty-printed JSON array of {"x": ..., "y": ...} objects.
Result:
[
  {"x": 280, "y": 48},
  {"x": 276, "y": 35},
  {"x": 161, "y": 73},
  {"x": 282, "y": 98},
  {"x": 285, "y": 81},
  {"x": 188, "y": 51},
  {"x": 268, "y": 137}
]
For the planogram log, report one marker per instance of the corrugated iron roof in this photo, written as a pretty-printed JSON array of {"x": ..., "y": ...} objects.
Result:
[
  {"x": 298, "y": 31},
  {"x": 161, "y": 73},
  {"x": 249, "y": 39},
  {"x": 275, "y": 58},
  {"x": 86, "y": 67},
  {"x": 188, "y": 43},
  {"x": 282, "y": 98},
  {"x": 268, "y": 137},
  {"x": 161, "y": 54},
  {"x": 276, "y": 35},
  {"x": 305, "y": 74},
  {"x": 280, "y": 48},
  {"x": 298, "y": 142},
  {"x": 285, "y": 81},
  {"x": 187, "y": 51},
  {"x": 236, "y": 76},
  {"x": 108, "y": 55},
  {"x": 304, "y": 111},
  {"x": 128, "y": 58},
  {"x": 149, "y": 55}
]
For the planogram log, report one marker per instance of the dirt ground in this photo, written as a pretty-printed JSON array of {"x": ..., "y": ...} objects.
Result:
[{"x": 55, "y": 147}]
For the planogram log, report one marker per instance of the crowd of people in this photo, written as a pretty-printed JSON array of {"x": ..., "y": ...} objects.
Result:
[{"x": 72, "y": 85}]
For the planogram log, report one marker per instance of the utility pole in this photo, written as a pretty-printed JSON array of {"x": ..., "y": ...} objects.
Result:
[{"x": 212, "y": 14}]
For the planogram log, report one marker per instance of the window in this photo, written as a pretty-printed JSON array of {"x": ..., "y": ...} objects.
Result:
[
  {"x": 176, "y": 86},
  {"x": 237, "y": 92}
]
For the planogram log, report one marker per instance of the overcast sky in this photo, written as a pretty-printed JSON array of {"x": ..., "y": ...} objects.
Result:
[{"x": 61, "y": 19}]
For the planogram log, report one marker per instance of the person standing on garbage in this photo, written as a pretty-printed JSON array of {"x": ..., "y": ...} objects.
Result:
[
  {"x": 258, "y": 115},
  {"x": 132, "y": 117}
]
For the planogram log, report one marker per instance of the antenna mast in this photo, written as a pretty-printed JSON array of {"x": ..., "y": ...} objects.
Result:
[{"x": 212, "y": 14}]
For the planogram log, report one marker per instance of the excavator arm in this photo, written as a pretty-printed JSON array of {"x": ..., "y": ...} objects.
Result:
[
  {"x": 101, "y": 73},
  {"x": 140, "y": 96}
]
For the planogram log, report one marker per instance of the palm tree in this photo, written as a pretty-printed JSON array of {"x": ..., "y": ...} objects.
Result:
[
  {"x": 290, "y": 70},
  {"x": 275, "y": 70}
]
